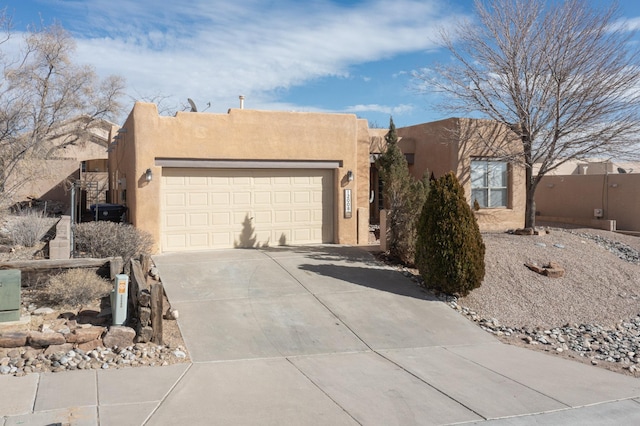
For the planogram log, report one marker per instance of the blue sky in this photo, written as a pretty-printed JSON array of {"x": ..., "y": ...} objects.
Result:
[{"x": 313, "y": 55}]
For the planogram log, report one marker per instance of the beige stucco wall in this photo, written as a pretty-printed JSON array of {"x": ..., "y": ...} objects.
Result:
[
  {"x": 576, "y": 196},
  {"x": 450, "y": 145},
  {"x": 239, "y": 135},
  {"x": 49, "y": 179}
]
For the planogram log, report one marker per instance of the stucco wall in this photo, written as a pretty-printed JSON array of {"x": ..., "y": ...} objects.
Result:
[
  {"x": 576, "y": 196},
  {"x": 449, "y": 145},
  {"x": 239, "y": 135}
]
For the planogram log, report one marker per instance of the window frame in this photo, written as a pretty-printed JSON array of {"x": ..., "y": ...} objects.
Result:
[{"x": 487, "y": 182}]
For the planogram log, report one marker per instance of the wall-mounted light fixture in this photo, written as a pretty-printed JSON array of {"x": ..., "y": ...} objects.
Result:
[
  {"x": 148, "y": 175},
  {"x": 350, "y": 176}
]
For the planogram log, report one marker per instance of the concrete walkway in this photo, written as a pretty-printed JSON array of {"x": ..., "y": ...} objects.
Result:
[{"x": 321, "y": 336}]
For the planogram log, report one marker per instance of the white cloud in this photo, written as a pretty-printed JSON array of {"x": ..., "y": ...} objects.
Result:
[
  {"x": 213, "y": 51},
  {"x": 390, "y": 110}
]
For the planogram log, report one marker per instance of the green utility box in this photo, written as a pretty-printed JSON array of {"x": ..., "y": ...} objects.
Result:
[{"x": 10, "y": 295}]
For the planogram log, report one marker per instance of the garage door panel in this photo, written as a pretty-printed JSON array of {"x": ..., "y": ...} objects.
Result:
[
  {"x": 282, "y": 197},
  {"x": 300, "y": 197},
  {"x": 283, "y": 216},
  {"x": 240, "y": 217},
  {"x": 221, "y": 239},
  {"x": 197, "y": 181},
  {"x": 199, "y": 240},
  {"x": 262, "y": 198},
  {"x": 221, "y": 219},
  {"x": 301, "y": 216},
  {"x": 199, "y": 219},
  {"x": 244, "y": 180},
  {"x": 220, "y": 198},
  {"x": 262, "y": 218},
  {"x": 174, "y": 181},
  {"x": 242, "y": 198},
  {"x": 176, "y": 242},
  {"x": 174, "y": 199},
  {"x": 302, "y": 235},
  {"x": 198, "y": 199},
  {"x": 177, "y": 220},
  {"x": 208, "y": 208}
]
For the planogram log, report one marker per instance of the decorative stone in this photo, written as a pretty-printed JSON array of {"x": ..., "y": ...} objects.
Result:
[
  {"x": 154, "y": 273},
  {"x": 171, "y": 314},
  {"x": 84, "y": 335},
  {"x": 144, "y": 334},
  {"x": 13, "y": 339},
  {"x": 42, "y": 340},
  {"x": 63, "y": 348},
  {"x": 119, "y": 336},
  {"x": 89, "y": 346},
  {"x": 524, "y": 231},
  {"x": 144, "y": 316}
]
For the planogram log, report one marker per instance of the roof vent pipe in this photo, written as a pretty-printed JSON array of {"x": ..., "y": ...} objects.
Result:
[{"x": 241, "y": 102}]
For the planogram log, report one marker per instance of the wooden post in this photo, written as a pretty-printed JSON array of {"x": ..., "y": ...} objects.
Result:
[{"x": 156, "y": 313}]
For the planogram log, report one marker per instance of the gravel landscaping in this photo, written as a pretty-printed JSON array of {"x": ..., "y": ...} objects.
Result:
[{"x": 591, "y": 314}]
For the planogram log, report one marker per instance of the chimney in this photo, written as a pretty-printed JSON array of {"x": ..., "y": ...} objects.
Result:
[{"x": 241, "y": 102}]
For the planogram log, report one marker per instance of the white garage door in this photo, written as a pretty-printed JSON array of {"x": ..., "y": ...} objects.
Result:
[{"x": 224, "y": 208}]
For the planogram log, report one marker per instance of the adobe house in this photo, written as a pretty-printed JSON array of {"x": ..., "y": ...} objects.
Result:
[
  {"x": 475, "y": 150},
  {"x": 243, "y": 179},
  {"x": 79, "y": 148}
]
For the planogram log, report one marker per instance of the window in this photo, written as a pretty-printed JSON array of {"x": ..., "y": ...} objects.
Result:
[{"x": 489, "y": 183}]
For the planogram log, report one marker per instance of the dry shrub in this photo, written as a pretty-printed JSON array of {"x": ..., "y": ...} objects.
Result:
[
  {"x": 76, "y": 287},
  {"x": 29, "y": 227},
  {"x": 109, "y": 239}
]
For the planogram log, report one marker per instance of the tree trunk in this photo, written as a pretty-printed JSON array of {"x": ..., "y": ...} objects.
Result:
[{"x": 530, "y": 207}]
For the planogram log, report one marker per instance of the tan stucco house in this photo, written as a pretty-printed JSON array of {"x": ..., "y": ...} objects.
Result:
[
  {"x": 475, "y": 150},
  {"x": 78, "y": 150},
  {"x": 243, "y": 179}
]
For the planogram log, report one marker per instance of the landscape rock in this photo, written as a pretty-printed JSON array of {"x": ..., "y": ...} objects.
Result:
[
  {"x": 84, "y": 335},
  {"x": 91, "y": 345},
  {"x": 119, "y": 336},
  {"x": 52, "y": 349},
  {"x": 13, "y": 339},
  {"x": 43, "y": 339}
]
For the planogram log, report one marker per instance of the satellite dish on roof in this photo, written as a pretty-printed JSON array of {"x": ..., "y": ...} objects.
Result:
[
  {"x": 621, "y": 170},
  {"x": 193, "y": 105}
]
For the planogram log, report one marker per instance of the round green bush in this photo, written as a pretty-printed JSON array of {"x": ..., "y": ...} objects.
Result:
[{"x": 449, "y": 251}]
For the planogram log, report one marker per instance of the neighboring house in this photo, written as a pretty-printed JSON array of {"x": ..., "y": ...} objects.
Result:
[
  {"x": 593, "y": 166},
  {"x": 242, "y": 179},
  {"x": 599, "y": 194},
  {"x": 472, "y": 149},
  {"x": 83, "y": 161}
]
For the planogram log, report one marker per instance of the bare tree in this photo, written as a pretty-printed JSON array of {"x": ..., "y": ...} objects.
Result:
[
  {"x": 564, "y": 76},
  {"x": 41, "y": 93}
]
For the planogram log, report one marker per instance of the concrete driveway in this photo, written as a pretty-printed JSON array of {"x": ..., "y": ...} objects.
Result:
[
  {"x": 321, "y": 336},
  {"x": 328, "y": 336}
]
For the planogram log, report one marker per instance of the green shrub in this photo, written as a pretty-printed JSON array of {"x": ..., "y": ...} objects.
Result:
[
  {"x": 110, "y": 239},
  {"x": 403, "y": 196},
  {"x": 28, "y": 227},
  {"x": 76, "y": 287},
  {"x": 450, "y": 251}
]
